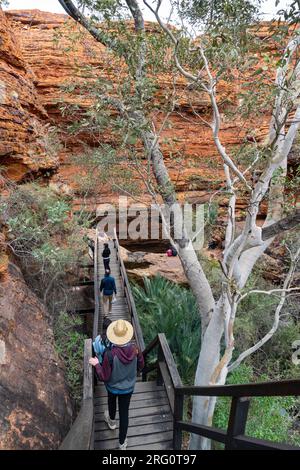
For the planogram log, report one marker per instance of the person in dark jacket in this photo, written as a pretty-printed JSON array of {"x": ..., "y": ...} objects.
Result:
[
  {"x": 118, "y": 371},
  {"x": 108, "y": 288},
  {"x": 106, "y": 256}
]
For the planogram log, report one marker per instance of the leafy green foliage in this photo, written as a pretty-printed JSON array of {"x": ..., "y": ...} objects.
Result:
[
  {"x": 165, "y": 307},
  {"x": 276, "y": 423},
  {"x": 43, "y": 233},
  {"x": 255, "y": 318},
  {"x": 292, "y": 184},
  {"x": 29, "y": 211},
  {"x": 212, "y": 269},
  {"x": 69, "y": 341},
  {"x": 107, "y": 10},
  {"x": 225, "y": 27},
  {"x": 101, "y": 166},
  {"x": 220, "y": 14}
]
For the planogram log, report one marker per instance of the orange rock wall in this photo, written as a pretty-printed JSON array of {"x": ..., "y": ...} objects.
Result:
[
  {"x": 53, "y": 51},
  {"x": 22, "y": 117}
]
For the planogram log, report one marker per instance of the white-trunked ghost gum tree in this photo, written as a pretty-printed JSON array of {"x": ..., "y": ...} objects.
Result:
[{"x": 221, "y": 51}]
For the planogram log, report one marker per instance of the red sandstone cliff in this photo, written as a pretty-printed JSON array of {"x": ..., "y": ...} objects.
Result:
[
  {"x": 35, "y": 409},
  {"x": 56, "y": 51},
  {"x": 22, "y": 117}
]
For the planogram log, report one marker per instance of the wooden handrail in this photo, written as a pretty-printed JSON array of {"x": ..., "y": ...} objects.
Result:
[
  {"x": 169, "y": 376},
  {"x": 151, "y": 346},
  {"x": 80, "y": 436},
  {"x": 234, "y": 437},
  {"x": 129, "y": 297},
  {"x": 169, "y": 360},
  {"x": 166, "y": 356},
  {"x": 96, "y": 286},
  {"x": 250, "y": 443},
  {"x": 271, "y": 389}
]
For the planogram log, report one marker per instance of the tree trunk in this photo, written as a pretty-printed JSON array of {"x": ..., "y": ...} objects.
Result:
[{"x": 209, "y": 372}]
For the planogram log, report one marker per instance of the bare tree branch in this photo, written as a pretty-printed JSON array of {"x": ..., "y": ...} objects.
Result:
[
  {"x": 286, "y": 288},
  {"x": 101, "y": 36},
  {"x": 283, "y": 100}
]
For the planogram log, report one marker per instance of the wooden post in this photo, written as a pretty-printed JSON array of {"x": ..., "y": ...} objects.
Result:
[
  {"x": 160, "y": 357},
  {"x": 144, "y": 375},
  {"x": 237, "y": 421},
  {"x": 178, "y": 416}
]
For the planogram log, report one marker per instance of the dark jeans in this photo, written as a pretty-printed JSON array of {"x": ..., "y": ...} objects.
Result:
[
  {"x": 124, "y": 401},
  {"x": 106, "y": 263}
]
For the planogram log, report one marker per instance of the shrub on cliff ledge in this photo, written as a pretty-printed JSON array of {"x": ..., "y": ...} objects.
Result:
[{"x": 43, "y": 235}]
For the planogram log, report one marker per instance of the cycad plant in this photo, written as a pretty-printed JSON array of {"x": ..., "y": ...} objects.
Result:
[{"x": 165, "y": 307}]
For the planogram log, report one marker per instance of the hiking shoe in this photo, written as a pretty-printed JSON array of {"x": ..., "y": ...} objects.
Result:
[
  {"x": 123, "y": 446},
  {"x": 111, "y": 423}
]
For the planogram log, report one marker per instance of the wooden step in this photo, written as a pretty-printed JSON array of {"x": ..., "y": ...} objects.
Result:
[
  {"x": 137, "y": 421},
  {"x": 165, "y": 445},
  {"x": 151, "y": 410},
  {"x": 153, "y": 428},
  {"x": 136, "y": 440},
  {"x": 137, "y": 404},
  {"x": 135, "y": 397}
]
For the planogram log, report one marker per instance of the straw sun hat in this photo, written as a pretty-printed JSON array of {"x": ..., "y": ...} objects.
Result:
[{"x": 119, "y": 332}]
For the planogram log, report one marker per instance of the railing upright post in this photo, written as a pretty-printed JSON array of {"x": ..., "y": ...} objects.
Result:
[
  {"x": 237, "y": 420},
  {"x": 178, "y": 416},
  {"x": 144, "y": 375},
  {"x": 160, "y": 358},
  {"x": 96, "y": 288}
]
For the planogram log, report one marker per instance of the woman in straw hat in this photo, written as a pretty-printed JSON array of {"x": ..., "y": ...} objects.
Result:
[{"x": 118, "y": 371}]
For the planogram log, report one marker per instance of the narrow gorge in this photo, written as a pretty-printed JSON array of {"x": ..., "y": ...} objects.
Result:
[{"x": 47, "y": 62}]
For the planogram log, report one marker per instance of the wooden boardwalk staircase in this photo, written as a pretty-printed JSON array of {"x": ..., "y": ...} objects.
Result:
[
  {"x": 120, "y": 307},
  {"x": 150, "y": 416},
  {"x": 156, "y": 419}
]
